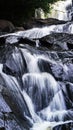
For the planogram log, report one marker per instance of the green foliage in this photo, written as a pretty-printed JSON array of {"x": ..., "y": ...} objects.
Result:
[{"x": 17, "y": 10}]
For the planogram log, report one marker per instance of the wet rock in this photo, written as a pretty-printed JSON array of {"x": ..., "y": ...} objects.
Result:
[
  {"x": 66, "y": 126},
  {"x": 45, "y": 66},
  {"x": 70, "y": 45},
  {"x": 13, "y": 39},
  {"x": 15, "y": 64},
  {"x": 7, "y": 119},
  {"x": 50, "y": 21},
  {"x": 2, "y": 128},
  {"x": 4, "y": 108},
  {"x": 67, "y": 55},
  {"x": 69, "y": 87},
  {"x": 41, "y": 23},
  {"x": 56, "y": 69},
  {"x": 9, "y": 123},
  {"x": 58, "y": 41},
  {"x": 27, "y": 41},
  {"x": 2, "y": 41}
]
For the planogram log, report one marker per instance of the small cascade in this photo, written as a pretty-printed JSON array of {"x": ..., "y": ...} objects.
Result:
[
  {"x": 37, "y": 82},
  {"x": 19, "y": 98},
  {"x": 30, "y": 61},
  {"x": 41, "y": 85},
  {"x": 36, "y": 33}
]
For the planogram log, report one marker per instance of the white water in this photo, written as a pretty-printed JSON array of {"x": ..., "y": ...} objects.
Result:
[
  {"x": 45, "y": 84},
  {"x": 40, "y": 80},
  {"x": 61, "y": 10},
  {"x": 41, "y": 92},
  {"x": 36, "y": 33},
  {"x": 28, "y": 100},
  {"x": 31, "y": 61},
  {"x": 47, "y": 125}
]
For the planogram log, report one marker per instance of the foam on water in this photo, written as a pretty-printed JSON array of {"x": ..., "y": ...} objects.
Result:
[{"x": 47, "y": 125}]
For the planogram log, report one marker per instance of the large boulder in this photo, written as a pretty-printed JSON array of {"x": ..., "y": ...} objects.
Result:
[
  {"x": 7, "y": 119},
  {"x": 57, "y": 41},
  {"x": 6, "y": 26}
]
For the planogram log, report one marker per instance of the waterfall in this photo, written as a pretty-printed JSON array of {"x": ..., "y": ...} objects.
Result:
[
  {"x": 37, "y": 82},
  {"x": 61, "y": 10}
]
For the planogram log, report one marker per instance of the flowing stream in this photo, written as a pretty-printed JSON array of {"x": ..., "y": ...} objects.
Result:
[{"x": 37, "y": 83}]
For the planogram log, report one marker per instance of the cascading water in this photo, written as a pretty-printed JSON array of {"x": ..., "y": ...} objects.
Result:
[
  {"x": 36, "y": 33},
  {"x": 61, "y": 10},
  {"x": 35, "y": 82}
]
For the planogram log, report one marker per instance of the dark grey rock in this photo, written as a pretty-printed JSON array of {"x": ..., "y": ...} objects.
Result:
[
  {"x": 41, "y": 23},
  {"x": 58, "y": 41}
]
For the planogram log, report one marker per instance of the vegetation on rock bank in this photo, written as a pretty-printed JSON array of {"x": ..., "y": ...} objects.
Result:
[{"x": 19, "y": 10}]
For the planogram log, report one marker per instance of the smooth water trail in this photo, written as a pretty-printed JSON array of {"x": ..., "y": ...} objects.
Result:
[
  {"x": 29, "y": 104},
  {"x": 31, "y": 61}
]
